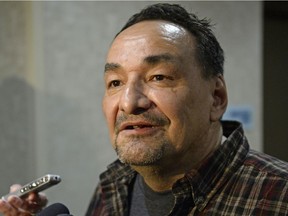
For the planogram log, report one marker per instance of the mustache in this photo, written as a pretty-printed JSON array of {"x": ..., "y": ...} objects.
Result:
[{"x": 150, "y": 118}]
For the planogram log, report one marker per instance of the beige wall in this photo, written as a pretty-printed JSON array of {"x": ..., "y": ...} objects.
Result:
[
  {"x": 51, "y": 70},
  {"x": 17, "y": 97}
]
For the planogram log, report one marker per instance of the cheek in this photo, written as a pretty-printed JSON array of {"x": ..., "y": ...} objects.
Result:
[
  {"x": 185, "y": 109},
  {"x": 173, "y": 104},
  {"x": 179, "y": 114},
  {"x": 110, "y": 107}
]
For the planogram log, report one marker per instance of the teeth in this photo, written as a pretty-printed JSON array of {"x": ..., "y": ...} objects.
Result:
[
  {"x": 138, "y": 127},
  {"x": 141, "y": 126}
]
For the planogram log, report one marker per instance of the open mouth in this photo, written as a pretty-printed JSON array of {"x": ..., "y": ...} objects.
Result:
[{"x": 134, "y": 127}]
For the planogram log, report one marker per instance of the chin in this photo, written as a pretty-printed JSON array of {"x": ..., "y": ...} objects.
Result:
[
  {"x": 138, "y": 162},
  {"x": 140, "y": 153},
  {"x": 139, "y": 156}
]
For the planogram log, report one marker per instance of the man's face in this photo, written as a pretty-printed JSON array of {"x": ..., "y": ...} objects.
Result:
[{"x": 157, "y": 103}]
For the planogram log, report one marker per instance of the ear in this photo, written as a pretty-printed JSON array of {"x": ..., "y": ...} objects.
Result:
[{"x": 220, "y": 98}]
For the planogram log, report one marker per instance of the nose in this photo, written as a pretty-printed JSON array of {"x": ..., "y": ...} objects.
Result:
[{"x": 134, "y": 99}]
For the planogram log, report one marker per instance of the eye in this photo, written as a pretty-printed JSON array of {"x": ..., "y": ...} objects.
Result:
[
  {"x": 114, "y": 83},
  {"x": 158, "y": 77}
]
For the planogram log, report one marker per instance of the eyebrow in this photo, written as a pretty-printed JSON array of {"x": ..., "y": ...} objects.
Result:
[
  {"x": 156, "y": 59},
  {"x": 151, "y": 60},
  {"x": 111, "y": 67}
]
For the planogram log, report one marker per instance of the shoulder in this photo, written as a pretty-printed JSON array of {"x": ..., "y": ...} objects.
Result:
[{"x": 267, "y": 165}]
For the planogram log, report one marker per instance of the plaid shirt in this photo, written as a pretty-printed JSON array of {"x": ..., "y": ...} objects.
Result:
[{"x": 233, "y": 181}]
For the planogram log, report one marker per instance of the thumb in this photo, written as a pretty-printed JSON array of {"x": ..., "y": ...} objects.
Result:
[{"x": 14, "y": 187}]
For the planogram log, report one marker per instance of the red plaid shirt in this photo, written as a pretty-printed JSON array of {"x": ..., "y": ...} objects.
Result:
[{"x": 233, "y": 181}]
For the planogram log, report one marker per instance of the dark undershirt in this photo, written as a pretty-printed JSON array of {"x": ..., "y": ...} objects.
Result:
[{"x": 146, "y": 202}]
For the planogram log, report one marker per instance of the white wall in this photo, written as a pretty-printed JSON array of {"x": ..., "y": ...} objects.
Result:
[{"x": 67, "y": 43}]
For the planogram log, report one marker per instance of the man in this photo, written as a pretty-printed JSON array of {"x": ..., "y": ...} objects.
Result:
[{"x": 165, "y": 96}]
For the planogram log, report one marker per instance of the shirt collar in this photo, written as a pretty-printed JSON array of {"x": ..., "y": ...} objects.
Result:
[{"x": 219, "y": 167}]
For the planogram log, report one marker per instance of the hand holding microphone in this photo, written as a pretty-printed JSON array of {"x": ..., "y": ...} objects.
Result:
[
  {"x": 26, "y": 200},
  {"x": 26, "y": 206}
]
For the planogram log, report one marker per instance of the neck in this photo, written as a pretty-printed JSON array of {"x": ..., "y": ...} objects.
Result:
[
  {"x": 156, "y": 179},
  {"x": 162, "y": 176}
]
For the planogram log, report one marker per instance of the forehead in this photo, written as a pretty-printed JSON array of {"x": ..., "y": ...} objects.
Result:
[
  {"x": 151, "y": 38},
  {"x": 154, "y": 27}
]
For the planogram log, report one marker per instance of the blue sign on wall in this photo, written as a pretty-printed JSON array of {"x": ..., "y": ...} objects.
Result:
[{"x": 240, "y": 113}]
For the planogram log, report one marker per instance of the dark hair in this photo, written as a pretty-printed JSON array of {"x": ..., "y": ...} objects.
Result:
[{"x": 210, "y": 54}]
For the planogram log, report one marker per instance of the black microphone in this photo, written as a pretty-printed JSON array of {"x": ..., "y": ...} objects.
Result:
[{"x": 56, "y": 209}]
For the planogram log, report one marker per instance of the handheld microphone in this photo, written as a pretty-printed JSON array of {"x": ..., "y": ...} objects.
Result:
[{"x": 56, "y": 209}]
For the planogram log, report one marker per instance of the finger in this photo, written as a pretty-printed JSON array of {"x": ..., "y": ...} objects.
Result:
[
  {"x": 18, "y": 207},
  {"x": 15, "y": 202},
  {"x": 39, "y": 198},
  {"x": 3, "y": 207},
  {"x": 21, "y": 205},
  {"x": 6, "y": 209},
  {"x": 34, "y": 202},
  {"x": 15, "y": 187}
]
